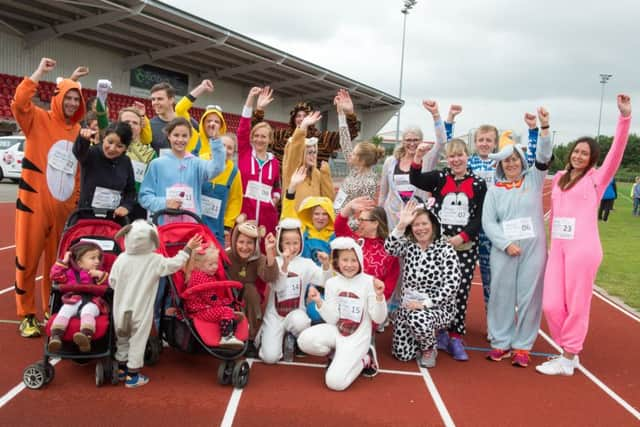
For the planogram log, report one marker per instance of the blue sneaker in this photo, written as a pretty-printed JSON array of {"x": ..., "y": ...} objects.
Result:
[
  {"x": 136, "y": 380},
  {"x": 122, "y": 374},
  {"x": 443, "y": 340},
  {"x": 456, "y": 349}
]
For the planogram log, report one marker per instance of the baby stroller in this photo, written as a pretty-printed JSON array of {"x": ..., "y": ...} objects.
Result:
[
  {"x": 186, "y": 332},
  {"x": 82, "y": 225}
]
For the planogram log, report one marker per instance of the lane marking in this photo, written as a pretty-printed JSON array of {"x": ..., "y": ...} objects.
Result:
[
  {"x": 616, "y": 306},
  {"x": 11, "y": 322},
  {"x": 7, "y": 247},
  {"x": 11, "y": 288},
  {"x": 612, "y": 394},
  {"x": 234, "y": 401},
  {"x": 18, "y": 388},
  {"x": 319, "y": 365},
  {"x": 437, "y": 399}
]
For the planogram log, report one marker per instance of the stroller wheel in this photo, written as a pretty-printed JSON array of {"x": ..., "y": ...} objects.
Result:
[
  {"x": 152, "y": 350},
  {"x": 240, "y": 376},
  {"x": 99, "y": 373},
  {"x": 49, "y": 370},
  {"x": 225, "y": 372},
  {"x": 34, "y": 376},
  {"x": 114, "y": 372}
]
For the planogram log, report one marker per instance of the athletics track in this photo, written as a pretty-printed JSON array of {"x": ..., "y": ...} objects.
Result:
[{"x": 184, "y": 391}]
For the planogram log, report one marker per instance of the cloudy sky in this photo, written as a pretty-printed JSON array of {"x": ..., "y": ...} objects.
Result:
[{"x": 498, "y": 58}]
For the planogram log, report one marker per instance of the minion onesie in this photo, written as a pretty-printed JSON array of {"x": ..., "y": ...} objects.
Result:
[
  {"x": 512, "y": 213},
  {"x": 349, "y": 309},
  {"x": 285, "y": 311},
  {"x": 48, "y": 190}
]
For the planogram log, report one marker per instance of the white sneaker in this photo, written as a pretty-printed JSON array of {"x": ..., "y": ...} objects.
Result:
[
  {"x": 558, "y": 366},
  {"x": 231, "y": 341}
]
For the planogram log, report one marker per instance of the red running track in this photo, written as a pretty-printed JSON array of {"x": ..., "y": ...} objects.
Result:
[{"x": 183, "y": 388}]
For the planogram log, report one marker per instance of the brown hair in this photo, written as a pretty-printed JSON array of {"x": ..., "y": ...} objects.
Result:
[
  {"x": 435, "y": 224},
  {"x": 178, "y": 121},
  {"x": 486, "y": 129},
  {"x": 261, "y": 125},
  {"x": 378, "y": 213},
  {"x": 81, "y": 248},
  {"x": 165, "y": 86},
  {"x": 369, "y": 153},
  {"x": 565, "y": 181},
  {"x": 335, "y": 254}
]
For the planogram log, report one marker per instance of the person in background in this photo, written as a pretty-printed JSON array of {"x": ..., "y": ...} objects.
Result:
[
  {"x": 635, "y": 195},
  {"x": 606, "y": 203}
]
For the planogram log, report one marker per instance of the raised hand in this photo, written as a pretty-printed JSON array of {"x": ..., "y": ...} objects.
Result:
[
  {"x": 270, "y": 243},
  {"x": 624, "y": 104},
  {"x": 378, "y": 287},
  {"x": 362, "y": 203},
  {"x": 310, "y": 120},
  {"x": 345, "y": 104},
  {"x": 421, "y": 150},
  {"x": 195, "y": 242},
  {"x": 46, "y": 65},
  {"x": 530, "y": 120},
  {"x": 408, "y": 213},
  {"x": 298, "y": 177},
  {"x": 142, "y": 110},
  {"x": 543, "y": 117},
  {"x": 454, "y": 110},
  {"x": 207, "y": 85},
  {"x": 432, "y": 107},
  {"x": 79, "y": 72},
  {"x": 264, "y": 98},
  {"x": 253, "y": 92},
  {"x": 87, "y": 133},
  {"x": 323, "y": 257}
]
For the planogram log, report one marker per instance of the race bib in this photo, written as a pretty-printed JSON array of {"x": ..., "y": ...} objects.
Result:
[
  {"x": 518, "y": 229},
  {"x": 563, "y": 228},
  {"x": 62, "y": 160},
  {"x": 339, "y": 200},
  {"x": 258, "y": 191},
  {"x": 454, "y": 215},
  {"x": 105, "y": 198},
  {"x": 210, "y": 206},
  {"x": 488, "y": 176},
  {"x": 350, "y": 308},
  {"x": 139, "y": 168},
  {"x": 402, "y": 184},
  {"x": 291, "y": 290},
  {"x": 184, "y": 193}
]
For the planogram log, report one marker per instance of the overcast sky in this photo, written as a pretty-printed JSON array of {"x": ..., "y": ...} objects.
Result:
[{"x": 498, "y": 58}]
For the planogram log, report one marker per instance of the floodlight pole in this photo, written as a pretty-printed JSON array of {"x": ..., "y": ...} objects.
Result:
[
  {"x": 603, "y": 80},
  {"x": 408, "y": 5}
]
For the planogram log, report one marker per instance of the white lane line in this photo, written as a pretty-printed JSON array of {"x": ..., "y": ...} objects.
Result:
[
  {"x": 11, "y": 322},
  {"x": 616, "y": 306},
  {"x": 18, "y": 388},
  {"x": 319, "y": 365},
  {"x": 7, "y": 247},
  {"x": 234, "y": 401},
  {"x": 437, "y": 399},
  {"x": 612, "y": 394},
  {"x": 11, "y": 288}
]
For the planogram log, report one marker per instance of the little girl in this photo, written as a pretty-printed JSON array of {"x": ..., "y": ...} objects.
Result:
[
  {"x": 208, "y": 305},
  {"x": 79, "y": 266},
  {"x": 353, "y": 300}
]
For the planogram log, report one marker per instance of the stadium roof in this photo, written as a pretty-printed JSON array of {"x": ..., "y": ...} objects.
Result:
[{"x": 151, "y": 32}]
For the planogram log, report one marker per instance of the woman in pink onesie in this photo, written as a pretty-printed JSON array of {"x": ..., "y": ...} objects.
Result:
[{"x": 576, "y": 252}]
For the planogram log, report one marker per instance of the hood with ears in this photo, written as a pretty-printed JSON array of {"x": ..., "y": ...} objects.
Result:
[
  {"x": 342, "y": 243},
  {"x": 289, "y": 224},
  {"x": 506, "y": 147},
  {"x": 248, "y": 228},
  {"x": 57, "y": 108},
  {"x": 140, "y": 237}
]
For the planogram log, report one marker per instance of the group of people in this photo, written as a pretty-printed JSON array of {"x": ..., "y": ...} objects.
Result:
[{"x": 321, "y": 270}]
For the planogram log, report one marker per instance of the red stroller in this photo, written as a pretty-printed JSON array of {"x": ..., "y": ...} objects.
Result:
[
  {"x": 186, "y": 332},
  {"x": 82, "y": 225}
]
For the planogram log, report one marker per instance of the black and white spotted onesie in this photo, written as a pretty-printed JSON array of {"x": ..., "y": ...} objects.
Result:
[
  {"x": 435, "y": 272},
  {"x": 459, "y": 207}
]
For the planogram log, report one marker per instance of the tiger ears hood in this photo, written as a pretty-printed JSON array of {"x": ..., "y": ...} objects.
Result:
[
  {"x": 63, "y": 86},
  {"x": 140, "y": 237}
]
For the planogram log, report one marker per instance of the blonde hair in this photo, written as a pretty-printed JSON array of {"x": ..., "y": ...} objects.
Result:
[
  {"x": 233, "y": 138},
  {"x": 456, "y": 146},
  {"x": 486, "y": 129},
  {"x": 198, "y": 258},
  {"x": 369, "y": 153},
  {"x": 400, "y": 150},
  {"x": 261, "y": 125}
]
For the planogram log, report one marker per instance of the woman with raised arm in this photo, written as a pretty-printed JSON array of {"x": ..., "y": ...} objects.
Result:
[
  {"x": 513, "y": 220},
  {"x": 576, "y": 251},
  {"x": 259, "y": 169}
]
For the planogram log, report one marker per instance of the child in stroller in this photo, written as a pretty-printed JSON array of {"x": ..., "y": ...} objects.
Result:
[
  {"x": 80, "y": 267},
  {"x": 208, "y": 303}
]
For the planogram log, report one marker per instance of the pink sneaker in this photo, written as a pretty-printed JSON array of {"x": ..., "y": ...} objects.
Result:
[
  {"x": 498, "y": 354},
  {"x": 521, "y": 358}
]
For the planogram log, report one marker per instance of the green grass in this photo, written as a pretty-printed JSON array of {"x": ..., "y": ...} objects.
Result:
[{"x": 620, "y": 270}]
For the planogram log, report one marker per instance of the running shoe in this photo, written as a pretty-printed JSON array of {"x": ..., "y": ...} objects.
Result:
[
  {"x": 497, "y": 354},
  {"x": 29, "y": 327},
  {"x": 521, "y": 358}
]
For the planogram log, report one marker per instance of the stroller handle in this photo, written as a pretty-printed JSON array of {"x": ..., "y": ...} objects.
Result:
[
  {"x": 94, "y": 213},
  {"x": 174, "y": 212}
]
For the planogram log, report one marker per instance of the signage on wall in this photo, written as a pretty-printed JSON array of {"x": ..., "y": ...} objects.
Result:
[{"x": 144, "y": 77}]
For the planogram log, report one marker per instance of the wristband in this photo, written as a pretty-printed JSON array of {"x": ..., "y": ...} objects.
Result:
[{"x": 544, "y": 127}]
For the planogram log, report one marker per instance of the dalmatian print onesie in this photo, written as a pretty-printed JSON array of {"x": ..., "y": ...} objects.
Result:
[
  {"x": 459, "y": 206},
  {"x": 435, "y": 272}
]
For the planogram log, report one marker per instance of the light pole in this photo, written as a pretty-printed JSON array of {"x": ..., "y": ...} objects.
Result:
[
  {"x": 604, "y": 78},
  {"x": 408, "y": 5}
]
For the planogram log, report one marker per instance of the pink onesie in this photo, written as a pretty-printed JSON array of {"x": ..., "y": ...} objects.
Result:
[{"x": 576, "y": 252}]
